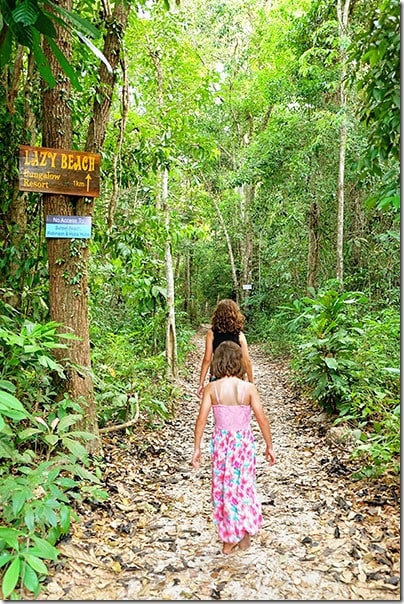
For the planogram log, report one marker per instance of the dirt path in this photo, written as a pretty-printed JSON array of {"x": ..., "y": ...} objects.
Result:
[{"x": 324, "y": 536}]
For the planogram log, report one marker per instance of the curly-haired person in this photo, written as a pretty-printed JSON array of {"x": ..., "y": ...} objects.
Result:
[{"x": 227, "y": 323}]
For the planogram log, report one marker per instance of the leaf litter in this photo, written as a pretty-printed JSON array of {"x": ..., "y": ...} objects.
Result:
[{"x": 325, "y": 536}]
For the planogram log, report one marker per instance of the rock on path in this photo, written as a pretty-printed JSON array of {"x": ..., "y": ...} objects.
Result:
[{"x": 324, "y": 536}]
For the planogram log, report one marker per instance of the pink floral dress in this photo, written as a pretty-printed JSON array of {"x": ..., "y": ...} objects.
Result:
[{"x": 236, "y": 507}]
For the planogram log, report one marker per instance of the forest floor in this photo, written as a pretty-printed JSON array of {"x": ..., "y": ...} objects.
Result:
[{"x": 325, "y": 536}]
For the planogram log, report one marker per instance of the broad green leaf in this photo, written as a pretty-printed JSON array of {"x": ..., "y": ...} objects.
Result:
[
  {"x": 19, "y": 498},
  {"x": 46, "y": 361},
  {"x": 9, "y": 401},
  {"x": 45, "y": 25},
  {"x": 36, "y": 563},
  {"x": 58, "y": 494},
  {"x": 5, "y": 49},
  {"x": 10, "y": 536},
  {"x": 41, "y": 60},
  {"x": 65, "y": 518},
  {"x": 6, "y": 450},
  {"x": 29, "y": 519},
  {"x": 43, "y": 549},
  {"x": 25, "y": 13},
  {"x": 31, "y": 581},
  {"x": 75, "y": 447},
  {"x": 50, "y": 516},
  {"x": 82, "y": 472},
  {"x": 11, "y": 577},
  {"x": 6, "y": 385},
  {"x": 28, "y": 432},
  {"x": 96, "y": 51},
  {"x": 51, "y": 439},
  {"x": 68, "y": 420},
  {"x": 84, "y": 435},
  {"x": 76, "y": 20},
  {"x": 65, "y": 65},
  {"x": 331, "y": 362},
  {"x": 30, "y": 348},
  {"x": 4, "y": 558}
]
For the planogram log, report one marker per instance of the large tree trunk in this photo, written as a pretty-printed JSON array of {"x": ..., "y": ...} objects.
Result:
[
  {"x": 68, "y": 259},
  {"x": 68, "y": 296}
]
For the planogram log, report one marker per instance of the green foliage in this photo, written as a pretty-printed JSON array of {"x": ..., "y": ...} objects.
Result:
[
  {"x": 25, "y": 22},
  {"x": 26, "y": 358},
  {"x": 45, "y": 465},
  {"x": 347, "y": 358},
  {"x": 375, "y": 73},
  {"x": 127, "y": 381},
  {"x": 379, "y": 450},
  {"x": 376, "y": 51},
  {"x": 326, "y": 349},
  {"x": 23, "y": 555}
]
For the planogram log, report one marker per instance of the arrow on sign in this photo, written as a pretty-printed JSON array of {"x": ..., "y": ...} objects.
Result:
[{"x": 88, "y": 178}]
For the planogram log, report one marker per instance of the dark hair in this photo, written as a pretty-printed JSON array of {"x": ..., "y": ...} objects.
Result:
[
  {"x": 228, "y": 360},
  {"x": 227, "y": 317}
]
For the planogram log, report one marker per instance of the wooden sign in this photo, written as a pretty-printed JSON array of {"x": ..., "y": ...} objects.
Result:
[{"x": 47, "y": 170}]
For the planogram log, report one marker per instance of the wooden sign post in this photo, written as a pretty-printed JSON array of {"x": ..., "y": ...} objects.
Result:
[{"x": 48, "y": 170}]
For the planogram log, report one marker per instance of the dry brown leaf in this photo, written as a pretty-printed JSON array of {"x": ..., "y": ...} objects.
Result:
[{"x": 71, "y": 551}]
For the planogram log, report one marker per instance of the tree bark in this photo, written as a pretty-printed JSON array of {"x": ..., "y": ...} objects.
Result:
[
  {"x": 230, "y": 249},
  {"x": 68, "y": 259},
  {"x": 68, "y": 297},
  {"x": 248, "y": 193},
  {"x": 171, "y": 334},
  {"x": 342, "y": 15},
  {"x": 117, "y": 156},
  {"x": 313, "y": 258},
  {"x": 162, "y": 204}
]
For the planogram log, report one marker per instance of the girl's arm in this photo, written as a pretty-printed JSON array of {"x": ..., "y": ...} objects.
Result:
[
  {"x": 205, "y": 362},
  {"x": 246, "y": 357},
  {"x": 200, "y": 425},
  {"x": 263, "y": 423}
]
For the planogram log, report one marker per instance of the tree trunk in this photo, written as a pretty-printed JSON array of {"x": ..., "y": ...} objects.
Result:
[
  {"x": 313, "y": 258},
  {"x": 230, "y": 249},
  {"x": 247, "y": 192},
  {"x": 117, "y": 155},
  {"x": 342, "y": 14},
  {"x": 171, "y": 334},
  {"x": 68, "y": 259},
  {"x": 162, "y": 203}
]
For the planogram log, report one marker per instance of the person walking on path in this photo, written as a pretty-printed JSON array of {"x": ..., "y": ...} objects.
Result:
[
  {"x": 227, "y": 324},
  {"x": 236, "y": 507}
]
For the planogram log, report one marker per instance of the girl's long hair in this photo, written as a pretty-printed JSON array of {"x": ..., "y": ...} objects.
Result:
[
  {"x": 227, "y": 317},
  {"x": 228, "y": 360}
]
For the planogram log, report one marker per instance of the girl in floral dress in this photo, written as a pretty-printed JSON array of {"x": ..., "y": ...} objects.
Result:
[{"x": 236, "y": 508}]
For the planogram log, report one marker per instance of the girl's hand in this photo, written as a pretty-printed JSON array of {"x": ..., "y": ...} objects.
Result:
[
  {"x": 270, "y": 455},
  {"x": 199, "y": 392},
  {"x": 196, "y": 459}
]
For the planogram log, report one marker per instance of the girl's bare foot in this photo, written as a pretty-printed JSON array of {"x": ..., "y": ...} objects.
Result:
[
  {"x": 245, "y": 542},
  {"x": 228, "y": 547}
]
